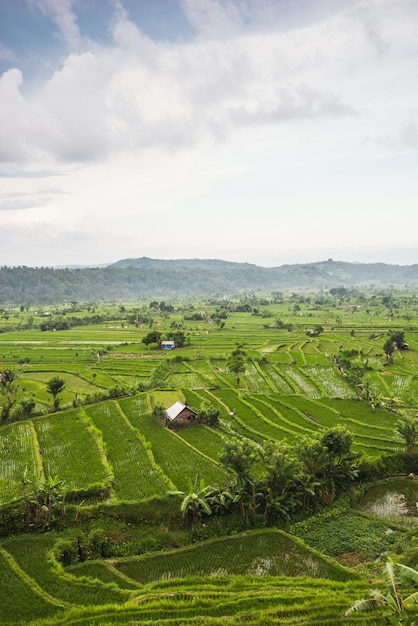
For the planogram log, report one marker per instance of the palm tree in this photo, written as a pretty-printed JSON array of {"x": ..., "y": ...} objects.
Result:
[
  {"x": 7, "y": 377},
  {"x": 54, "y": 386},
  {"x": 395, "y": 607},
  {"x": 327, "y": 462}
]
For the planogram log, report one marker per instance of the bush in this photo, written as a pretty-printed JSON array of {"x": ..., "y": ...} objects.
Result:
[
  {"x": 208, "y": 414},
  {"x": 13, "y": 519},
  {"x": 386, "y": 466},
  {"x": 66, "y": 552}
]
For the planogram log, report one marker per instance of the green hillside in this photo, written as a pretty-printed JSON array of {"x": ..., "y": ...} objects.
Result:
[{"x": 131, "y": 279}]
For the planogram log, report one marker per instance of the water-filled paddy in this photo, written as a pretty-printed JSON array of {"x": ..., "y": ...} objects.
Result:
[{"x": 393, "y": 498}]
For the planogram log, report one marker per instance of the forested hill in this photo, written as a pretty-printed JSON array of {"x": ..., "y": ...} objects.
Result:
[{"x": 143, "y": 277}]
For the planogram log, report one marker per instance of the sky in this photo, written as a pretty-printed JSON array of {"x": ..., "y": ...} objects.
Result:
[{"x": 260, "y": 131}]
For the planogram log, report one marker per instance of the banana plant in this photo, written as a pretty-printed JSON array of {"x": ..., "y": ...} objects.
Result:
[
  {"x": 196, "y": 501},
  {"x": 395, "y": 607}
]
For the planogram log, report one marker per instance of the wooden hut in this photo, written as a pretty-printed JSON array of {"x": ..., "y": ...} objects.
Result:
[{"x": 180, "y": 415}]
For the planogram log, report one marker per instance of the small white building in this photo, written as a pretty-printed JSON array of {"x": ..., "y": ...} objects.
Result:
[{"x": 167, "y": 345}]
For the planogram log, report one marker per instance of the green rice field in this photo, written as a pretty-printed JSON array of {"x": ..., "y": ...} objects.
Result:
[{"x": 123, "y": 553}]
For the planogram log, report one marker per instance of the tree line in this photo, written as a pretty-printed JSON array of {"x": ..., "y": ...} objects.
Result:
[{"x": 137, "y": 278}]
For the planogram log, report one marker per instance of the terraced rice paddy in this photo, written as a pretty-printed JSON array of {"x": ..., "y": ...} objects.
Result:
[
  {"x": 175, "y": 586},
  {"x": 17, "y": 456},
  {"x": 107, "y": 438}
]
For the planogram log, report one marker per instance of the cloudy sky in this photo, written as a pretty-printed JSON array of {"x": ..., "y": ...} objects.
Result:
[{"x": 266, "y": 131}]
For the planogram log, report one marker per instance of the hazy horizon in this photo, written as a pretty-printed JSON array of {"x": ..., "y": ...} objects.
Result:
[{"x": 107, "y": 264}]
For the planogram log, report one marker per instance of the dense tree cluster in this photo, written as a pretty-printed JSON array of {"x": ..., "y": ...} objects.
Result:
[
  {"x": 277, "y": 482},
  {"x": 64, "y": 322},
  {"x": 136, "y": 278},
  {"x": 155, "y": 337}
]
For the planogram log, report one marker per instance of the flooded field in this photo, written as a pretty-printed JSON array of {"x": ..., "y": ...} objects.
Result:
[{"x": 392, "y": 498}]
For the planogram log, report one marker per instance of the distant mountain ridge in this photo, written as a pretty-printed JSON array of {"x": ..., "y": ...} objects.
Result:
[
  {"x": 138, "y": 278},
  {"x": 158, "y": 263}
]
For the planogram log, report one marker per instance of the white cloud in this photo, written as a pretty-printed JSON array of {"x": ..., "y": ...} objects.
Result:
[
  {"x": 13, "y": 204},
  {"x": 217, "y": 19},
  {"x": 28, "y": 200},
  {"x": 13, "y": 113},
  {"x": 258, "y": 134},
  {"x": 141, "y": 93},
  {"x": 409, "y": 134},
  {"x": 291, "y": 102},
  {"x": 62, "y": 14}
]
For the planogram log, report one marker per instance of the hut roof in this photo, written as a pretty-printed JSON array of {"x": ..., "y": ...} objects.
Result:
[{"x": 175, "y": 410}]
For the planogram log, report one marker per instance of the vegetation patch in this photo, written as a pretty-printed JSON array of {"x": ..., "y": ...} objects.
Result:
[{"x": 350, "y": 537}]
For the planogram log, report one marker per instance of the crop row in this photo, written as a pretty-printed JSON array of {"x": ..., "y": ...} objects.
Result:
[
  {"x": 178, "y": 460},
  {"x": 69, "y": 450},
  {"x": 254, "y": 380},
  {"x": 269, "y": 553},
  {"x": 104, "y": 571},
  {"x": 20, "y": 601},
  {"x": 293, "y": 424},
  {"x": 136, "y": 476},
  {"x": 312, "y": 380},
  {"x": 34, "y": 559},
  {"x": 303, "y": 384},
  {"x": 17, "y": 456},
  {"x": 234, "y": 578},
  {"x": 278, "y": 379},
  {"x": 332, "y": 381},
  {"x": 309, "y": 604},
  {"x": 144, "y": 458}
]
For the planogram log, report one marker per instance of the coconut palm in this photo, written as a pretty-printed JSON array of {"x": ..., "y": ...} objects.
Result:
[
  {"x": 327, "y": 460},
  {"x": 54, "y": 386}
]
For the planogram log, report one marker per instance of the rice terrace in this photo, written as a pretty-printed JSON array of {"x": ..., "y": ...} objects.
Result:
[{"x": 209, "y": 458}]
